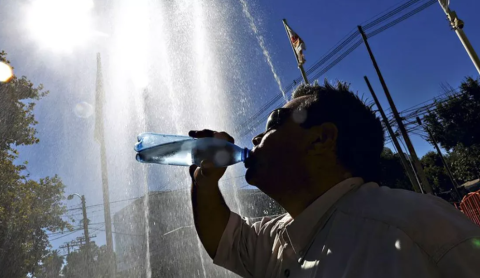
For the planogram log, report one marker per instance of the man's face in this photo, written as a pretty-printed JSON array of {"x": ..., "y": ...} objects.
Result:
[{"x": 278, "y": 158}]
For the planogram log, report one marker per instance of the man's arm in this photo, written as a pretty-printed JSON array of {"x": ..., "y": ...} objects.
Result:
[
  {"x": 210, "y": 212},
  {"x": 228, "y": 238}
]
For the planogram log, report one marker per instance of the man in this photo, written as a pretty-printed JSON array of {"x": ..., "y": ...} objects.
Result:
[{"x": 318, "y": 159}]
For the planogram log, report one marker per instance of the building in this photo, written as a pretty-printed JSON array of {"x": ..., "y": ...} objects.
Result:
[{"x": 174, "y": 248}]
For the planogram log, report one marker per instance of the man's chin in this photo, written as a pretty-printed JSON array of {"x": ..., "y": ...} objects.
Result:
[{"x": 250, "y": 176}]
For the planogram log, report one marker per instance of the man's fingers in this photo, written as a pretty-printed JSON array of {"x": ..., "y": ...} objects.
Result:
[
  {"x": 210, "y": 133},
  {"x": 206, "y": 167},
  {"x": 225, "y": 136},
  {"x": 201, "y": 133},
  {"x": 192, "y": 170}
]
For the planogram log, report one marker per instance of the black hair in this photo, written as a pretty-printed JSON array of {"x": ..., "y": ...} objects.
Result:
[{"x": 360, "y": 138}]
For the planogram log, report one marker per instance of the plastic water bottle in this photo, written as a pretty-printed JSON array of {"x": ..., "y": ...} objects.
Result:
[{"x": 185, "y": 150}]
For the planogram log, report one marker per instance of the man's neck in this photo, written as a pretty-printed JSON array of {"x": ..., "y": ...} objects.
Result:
[{"x": 296, "y": 201}]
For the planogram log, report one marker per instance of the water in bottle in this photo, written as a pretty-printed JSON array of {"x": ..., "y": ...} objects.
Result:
[{"x": 185, "y": 150}]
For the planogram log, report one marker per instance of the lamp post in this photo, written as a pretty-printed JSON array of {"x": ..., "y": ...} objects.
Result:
[
  {"x": 457, "y": 25},
  {"x": 85, "y": 228}
]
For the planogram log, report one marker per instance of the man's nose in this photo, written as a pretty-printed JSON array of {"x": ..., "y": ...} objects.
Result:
[{"x": 257, "y": 139}]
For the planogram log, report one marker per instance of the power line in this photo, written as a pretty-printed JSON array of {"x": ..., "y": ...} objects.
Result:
[
  {"x": 120, "y": 233},
  {"x": 322, "y": 61},
  {"x": 247, "y": 128},
  {"x": 402, "y": 18},
  {"x": 389, "y": 14},
  {"x": 66, "y": 234}
]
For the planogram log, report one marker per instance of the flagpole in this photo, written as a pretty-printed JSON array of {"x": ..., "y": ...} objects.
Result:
[
  {"x": 457, "y": 25},
  {"x": 300, "y": 66}
]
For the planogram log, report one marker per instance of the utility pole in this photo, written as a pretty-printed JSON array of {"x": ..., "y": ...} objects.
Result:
[
  {"x": 454, "y": 183},
  {"x": 408, "y": 169},
  {"x": 290, "y": 34},
  {"x": 67, "y": 246},
  {"x": 85, "y": 230},
  {"x": 457, "y": 25},
  {"x": 85, "y": 227},
  {"x": 100, "y": 138},
  {"x": 425, "y": 185}
]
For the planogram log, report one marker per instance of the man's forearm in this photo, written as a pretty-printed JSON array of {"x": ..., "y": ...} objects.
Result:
[{"x": 211, "y": 214}]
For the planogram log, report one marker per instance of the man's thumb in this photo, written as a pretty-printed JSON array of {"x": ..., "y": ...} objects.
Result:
[{"x": 206, "y": 167}]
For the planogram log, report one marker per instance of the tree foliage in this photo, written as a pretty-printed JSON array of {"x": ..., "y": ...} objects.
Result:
[
  {"x": 51, "y": 266},
  {"x": 29, "y": 208},
  {"x": 454, "y": 120},
  {"x": 17, "y": 100},
  {"x": 465, "y": 162},
  {"x": 436, "y": 173},
  {"x": 392, "y": 172},
  {"x": 455, "y": 125},
  {"x": 77, "y": 263}
]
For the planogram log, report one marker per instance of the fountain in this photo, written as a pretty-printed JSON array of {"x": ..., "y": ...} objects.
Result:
[
  {"x": 169, "y": 73},
  {"x": 167, "y": 67}
]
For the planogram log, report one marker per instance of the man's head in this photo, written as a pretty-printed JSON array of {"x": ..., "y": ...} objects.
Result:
[{"x": 324, "y": 133}]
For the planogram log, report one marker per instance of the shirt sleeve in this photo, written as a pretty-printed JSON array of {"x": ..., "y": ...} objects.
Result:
[
  {"x": 462, "y": 260},
  {"x": 240, "y": 244}
]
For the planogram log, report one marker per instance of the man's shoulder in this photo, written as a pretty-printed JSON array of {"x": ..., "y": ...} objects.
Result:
[
  {"x": 429, "y": 221},
  {"x": 268, "y": 224}
]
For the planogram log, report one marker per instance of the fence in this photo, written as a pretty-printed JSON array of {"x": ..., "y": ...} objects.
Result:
[{"x": 470, "y": 206}]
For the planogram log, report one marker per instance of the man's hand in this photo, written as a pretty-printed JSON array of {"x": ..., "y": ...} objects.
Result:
[
  {"x": 207, "y": 174},
  {"x": 210, "y": 212}
]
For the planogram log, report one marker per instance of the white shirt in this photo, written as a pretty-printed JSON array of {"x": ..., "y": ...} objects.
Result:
[{"x": 356, "y": 230}]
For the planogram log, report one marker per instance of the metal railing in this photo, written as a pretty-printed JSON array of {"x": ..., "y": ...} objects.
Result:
[{"x": 470, "y": 206}]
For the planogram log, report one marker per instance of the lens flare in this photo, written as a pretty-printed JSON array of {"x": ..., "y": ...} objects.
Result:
[
  {"x": 476, "y": 242},
  {"x": 60, "y": 24},
  {"x": 83, "y": 110},
  {"x": 6, "y": 72}
]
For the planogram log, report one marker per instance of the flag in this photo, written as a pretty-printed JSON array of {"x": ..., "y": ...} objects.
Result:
[
  {"x": 99, "y": 100},
  {"x": 444, "y": 3},
  {"x": 297, "y": 44}
]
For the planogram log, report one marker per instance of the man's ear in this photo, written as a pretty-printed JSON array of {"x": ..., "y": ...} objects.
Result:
[{"x": 323, "y": 138}]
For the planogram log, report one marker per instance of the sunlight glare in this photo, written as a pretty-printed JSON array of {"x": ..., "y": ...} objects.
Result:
[
  {"x": 60, "y": 24},
  {"x": 397, "y": 244},
  {"x": 133, "y": 38},
  {"x": 6, "y": 72}
]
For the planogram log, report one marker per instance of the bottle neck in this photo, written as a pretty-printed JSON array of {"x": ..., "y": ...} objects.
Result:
[{"x": 245, "y": 154}]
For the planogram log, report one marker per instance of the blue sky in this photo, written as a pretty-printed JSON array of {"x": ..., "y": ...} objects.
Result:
[{"x": 415, "y": 56}]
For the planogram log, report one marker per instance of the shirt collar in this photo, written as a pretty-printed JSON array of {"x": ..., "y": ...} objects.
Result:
[{"x": 301, "y": 230}]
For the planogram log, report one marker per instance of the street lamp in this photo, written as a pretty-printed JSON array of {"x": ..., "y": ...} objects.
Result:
[
  {"x": 85, "y": 227},
  {"x": 457, "y": 25}
]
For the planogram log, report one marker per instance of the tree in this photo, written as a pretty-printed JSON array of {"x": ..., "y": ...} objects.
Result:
[
  {"x": 455, "y": 120},
  {"x": 51, "y": 265},
  {"x": 29, "y": 209},
  {"x": 17, "y": 99},
  {"x": 392, "y": 172},
  {"x": 465, "y": 163},
  {"x": 454, "y": 124},
  {"x": 435, "y": 171},
  {"x": 76, "y": 263}
]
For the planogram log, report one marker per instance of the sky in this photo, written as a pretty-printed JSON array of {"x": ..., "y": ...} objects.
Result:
[{"x": 416, "y": 57}]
